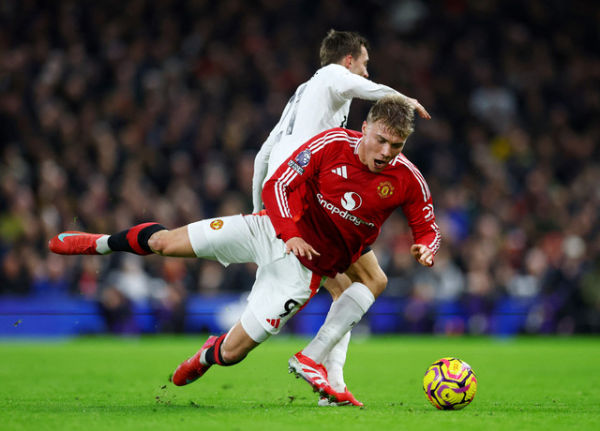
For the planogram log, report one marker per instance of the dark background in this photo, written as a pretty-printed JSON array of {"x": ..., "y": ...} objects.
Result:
[{"x": 119, "y": 112}]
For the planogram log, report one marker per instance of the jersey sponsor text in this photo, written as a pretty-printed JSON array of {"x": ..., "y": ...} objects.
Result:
[{"x": 343, "y": 214}]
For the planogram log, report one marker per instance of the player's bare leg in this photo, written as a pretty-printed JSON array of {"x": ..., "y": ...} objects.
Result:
[
  {"x": 142, "y": 239},
  {"x": 173, "y": 243},
  {"x": 237, "y": 344},
  {"x": 366, "y": 270},
  {"x": 332, "y": 340},
  {"x": 227, "y": 349}
]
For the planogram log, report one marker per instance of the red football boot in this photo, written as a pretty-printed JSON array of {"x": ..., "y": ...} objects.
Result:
[
  {"x": 343, "y": 399},
  {"x": 191, "y": 369},
  {"x": 315, "y": 375},
  {"x": 74, "y": 242}
]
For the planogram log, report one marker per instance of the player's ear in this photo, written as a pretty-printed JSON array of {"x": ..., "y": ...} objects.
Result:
[
  {"x": 348, "y": 61},
  {"x": 364, "y": 127}
]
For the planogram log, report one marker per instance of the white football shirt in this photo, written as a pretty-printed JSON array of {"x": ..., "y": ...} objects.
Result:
[{"x": 321, "y": 103}]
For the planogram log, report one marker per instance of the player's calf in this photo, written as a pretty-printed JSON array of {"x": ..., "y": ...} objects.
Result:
[{"x": 216, "y": 354}]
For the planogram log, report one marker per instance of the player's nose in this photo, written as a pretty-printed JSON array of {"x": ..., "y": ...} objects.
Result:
[{"x": 386, "y": 152}]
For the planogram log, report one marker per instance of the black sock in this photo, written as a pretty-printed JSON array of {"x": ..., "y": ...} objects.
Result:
[
  {"x": 134, "y": 239},
  {"x": 213, "y": 354}
]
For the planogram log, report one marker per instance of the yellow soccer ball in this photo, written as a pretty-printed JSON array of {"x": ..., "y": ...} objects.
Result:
[{"x": 450, "y": 384}]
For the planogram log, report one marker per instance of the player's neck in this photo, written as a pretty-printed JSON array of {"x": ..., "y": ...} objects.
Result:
[{"x": 358, "y": 150}]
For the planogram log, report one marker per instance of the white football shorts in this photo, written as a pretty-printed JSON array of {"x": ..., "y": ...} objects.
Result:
[{"x": 282, "y": 286}]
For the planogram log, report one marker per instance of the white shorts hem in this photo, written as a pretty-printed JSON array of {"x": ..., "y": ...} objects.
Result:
[{"x": 253, "y": 327}]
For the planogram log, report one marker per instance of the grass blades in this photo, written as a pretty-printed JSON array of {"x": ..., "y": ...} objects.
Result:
[{"x": 122, "y": 384}]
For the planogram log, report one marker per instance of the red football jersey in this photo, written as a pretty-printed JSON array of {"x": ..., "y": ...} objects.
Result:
[{"x": 324, "y": 194}]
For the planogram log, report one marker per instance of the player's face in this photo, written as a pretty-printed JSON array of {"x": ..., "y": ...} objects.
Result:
[
  {"x": 358, "y": 64},
  {"x": 379, "y": 146}
]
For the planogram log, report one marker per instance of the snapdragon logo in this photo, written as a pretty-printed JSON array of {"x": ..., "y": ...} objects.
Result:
[
  {"x": 344, "y": 214},
  {"x": 351, "y": 201}
]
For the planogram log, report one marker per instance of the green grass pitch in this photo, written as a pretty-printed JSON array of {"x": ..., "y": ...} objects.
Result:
[{"x": 539, "y": 383}]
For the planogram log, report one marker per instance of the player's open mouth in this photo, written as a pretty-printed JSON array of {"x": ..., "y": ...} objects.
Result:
[{"x": 379, "y": 164}]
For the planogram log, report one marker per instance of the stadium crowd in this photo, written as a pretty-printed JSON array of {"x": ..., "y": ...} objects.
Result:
[{"x": 114, "y": 113}]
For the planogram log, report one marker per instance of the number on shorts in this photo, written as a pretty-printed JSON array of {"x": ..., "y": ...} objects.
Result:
[{"x": 290, "y": 304}]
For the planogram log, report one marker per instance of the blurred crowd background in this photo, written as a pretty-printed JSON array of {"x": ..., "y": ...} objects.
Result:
[{"x": 119, "y": 112}]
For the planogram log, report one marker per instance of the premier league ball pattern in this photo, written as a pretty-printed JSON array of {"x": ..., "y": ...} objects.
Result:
[{"x": 450, "y": 384}]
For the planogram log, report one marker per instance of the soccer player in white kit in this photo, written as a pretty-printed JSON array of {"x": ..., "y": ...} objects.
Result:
[
  {"x": 315, "y": 225},
  {"x": 321, "y": 103}
]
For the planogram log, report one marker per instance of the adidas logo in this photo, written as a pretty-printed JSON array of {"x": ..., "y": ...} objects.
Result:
[
  {"x": 315, "y": 376},
  {"x": 274, "y": 322},
  {"x": 341, "y": 171}
]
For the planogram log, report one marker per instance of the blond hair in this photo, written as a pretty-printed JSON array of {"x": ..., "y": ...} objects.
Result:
[{"x": 396, "y": 113}]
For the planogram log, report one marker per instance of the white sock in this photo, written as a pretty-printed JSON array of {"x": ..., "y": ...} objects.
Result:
[
  {"x": 343, "y": 315},
  {"x": 334, "y": 363},
  {"x": 202, "y": 358},
  {"x": 102, "y": 245}
]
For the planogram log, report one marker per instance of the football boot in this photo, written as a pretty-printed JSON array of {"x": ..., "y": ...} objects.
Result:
[{"x": 192, "y": 369}]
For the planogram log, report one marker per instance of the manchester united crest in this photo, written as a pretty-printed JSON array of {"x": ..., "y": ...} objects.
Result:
[
  {"x": 385, "y": 189},
  {"x": 216, "y": 224}
]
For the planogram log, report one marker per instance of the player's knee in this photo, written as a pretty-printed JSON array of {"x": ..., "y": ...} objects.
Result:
[
  {"x": 379, "y": 281},
  {"x": 376, "y": 281}
]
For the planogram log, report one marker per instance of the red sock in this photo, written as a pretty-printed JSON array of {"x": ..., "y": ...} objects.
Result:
[{"x": 134, "y": 239}]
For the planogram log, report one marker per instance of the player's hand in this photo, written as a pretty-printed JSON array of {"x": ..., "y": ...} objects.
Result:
[
  {"x": 300, "y": 247},
  {"x": 419, "y": 108},
  {"x": 422, "y": 253}
]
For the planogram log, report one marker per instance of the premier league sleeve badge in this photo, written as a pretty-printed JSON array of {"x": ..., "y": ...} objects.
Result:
[{"x": 303, "y": 158}]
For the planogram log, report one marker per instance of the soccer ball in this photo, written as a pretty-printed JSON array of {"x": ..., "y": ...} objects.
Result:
[{"x": 450, "y": 384}]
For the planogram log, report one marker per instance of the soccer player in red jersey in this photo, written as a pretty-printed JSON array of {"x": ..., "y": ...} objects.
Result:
[
  {"x": 322, "y": 103},
  {"x": 323, "y": 206}
]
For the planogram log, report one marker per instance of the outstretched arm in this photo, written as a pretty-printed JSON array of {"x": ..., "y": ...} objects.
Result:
[
  {"x": 418, "y": 209},
  {"x": 351, "y": 85}
]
